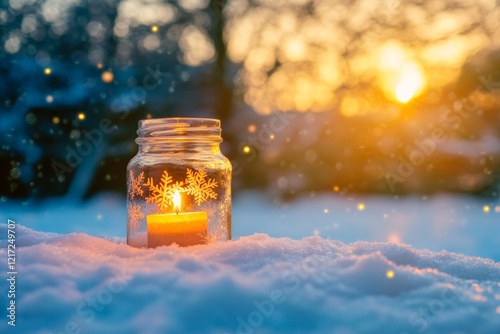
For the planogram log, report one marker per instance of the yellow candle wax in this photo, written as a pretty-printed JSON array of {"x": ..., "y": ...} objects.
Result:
[{"x": 184, "y": 228}]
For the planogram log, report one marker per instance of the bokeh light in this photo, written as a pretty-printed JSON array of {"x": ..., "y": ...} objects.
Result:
[
  {"x": 107, "y": 76},
  {"x": 389, "y": 274},
  {"x": 289, "y": 65}
]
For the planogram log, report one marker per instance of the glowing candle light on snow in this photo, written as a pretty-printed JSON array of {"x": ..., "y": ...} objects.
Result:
[{"x": 183, "y": 228}]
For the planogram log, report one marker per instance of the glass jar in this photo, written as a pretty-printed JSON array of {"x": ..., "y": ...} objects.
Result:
[{"x": 178, "y": 184}]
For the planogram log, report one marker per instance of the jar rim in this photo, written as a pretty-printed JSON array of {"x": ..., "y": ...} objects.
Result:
[
  {"x": 192, "y": 121},
  {"x": 178, "y": 129}
]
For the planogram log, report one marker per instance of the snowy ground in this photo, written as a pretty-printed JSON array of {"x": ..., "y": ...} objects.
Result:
[
  {"x": 454, "y": 223},
  {"x": 78, "y": 283},
  {"x": 264, "y": 283}
]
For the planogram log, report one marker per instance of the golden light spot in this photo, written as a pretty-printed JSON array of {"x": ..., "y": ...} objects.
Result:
[
  {"x": 486, "y": 208},
  {"x": 410, "y": 83},
  {"x": 389, "y": 274},
  {"x": 81, "y": 116},
  {"x": 271, "y": 136},
  {"x": 350, "y": 106},
  {"x": 294, "y": 49},
  {"x": 325, "y": 211},
  {"x": 107, "y": 76},
  {"x": 361, "y": 206},
  {"x": 99, "y": 66},
  {"x": 196, "y": 46},
  {"x": 336, "y": 188},
  {"x": 394, "y": 237},
  {"x": 154, "y": 28},
  {"x": 246, "y": 149},
  {"x": 56, "y": 120},
  {"x": 48, "y": 71},
  {"x": 252, "y": 128}
]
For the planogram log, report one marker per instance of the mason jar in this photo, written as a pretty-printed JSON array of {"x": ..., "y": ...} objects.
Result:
[{"x": 178, "y": 184}]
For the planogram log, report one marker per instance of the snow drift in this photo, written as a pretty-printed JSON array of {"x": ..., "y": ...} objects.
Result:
[{"x": 77, "y": 283}]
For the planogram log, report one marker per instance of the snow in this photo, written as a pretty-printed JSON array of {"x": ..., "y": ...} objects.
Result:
[
  {"x": 455, "y": 223},
  {"x": 72, "y": 283},
  {"x": 324, "y": 281}
]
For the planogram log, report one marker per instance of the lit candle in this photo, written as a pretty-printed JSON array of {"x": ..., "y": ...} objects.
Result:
[{"x": 183, "y": 228}]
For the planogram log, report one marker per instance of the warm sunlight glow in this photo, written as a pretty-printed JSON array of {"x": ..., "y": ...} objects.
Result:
[
  {"x": 81, "y": 116},
  {"x": 392, "y": 56},
  {"x": 361, "y": 206},
  {"x": 410, "y": 84},
  {"x": 349, "y": 106},
  {"x": 290, "y": 63},
  {"x": 246, "y": 149},
  {"x": 486, "y": 208},
  {"x": 176, "y": 199},
  {"x": 48, "y": 71}
]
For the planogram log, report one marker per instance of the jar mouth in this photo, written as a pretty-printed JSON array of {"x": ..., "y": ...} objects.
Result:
[{"x": 179, "y": 129}]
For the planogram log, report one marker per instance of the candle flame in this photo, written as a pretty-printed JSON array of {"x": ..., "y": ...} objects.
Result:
[{"x": 176, "y": 198}]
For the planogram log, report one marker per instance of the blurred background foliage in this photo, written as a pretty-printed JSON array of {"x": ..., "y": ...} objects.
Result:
[{"x": 314, "y": 95}]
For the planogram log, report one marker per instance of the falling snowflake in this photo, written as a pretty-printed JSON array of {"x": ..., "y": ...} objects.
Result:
[
  {"x": 135, "y": 185},
  {"x": 134, "y": 216},
  {"x": 162, "y": 193},
  {"x": 199, "y": 186}
]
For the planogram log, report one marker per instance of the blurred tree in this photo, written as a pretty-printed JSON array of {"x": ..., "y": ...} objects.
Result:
[
  {"x": 315, "y": 55},
  {"x": 380, "y": 76},
  {"x": 223, "y": 79}
]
